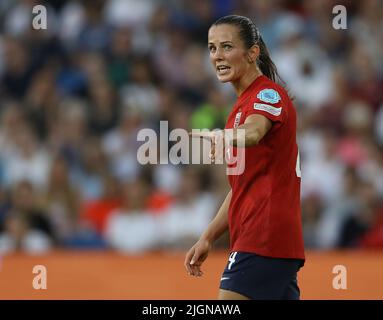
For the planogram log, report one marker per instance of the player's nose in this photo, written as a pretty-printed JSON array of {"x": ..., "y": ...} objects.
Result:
[{"x": 217, "y": 55}]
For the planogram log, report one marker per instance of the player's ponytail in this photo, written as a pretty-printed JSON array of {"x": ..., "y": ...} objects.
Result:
[
  {"x": 265, "y": 63},
  {"x": 250, "y": 35}
]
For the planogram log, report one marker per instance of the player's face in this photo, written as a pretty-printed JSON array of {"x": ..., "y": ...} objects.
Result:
[{"x": 227, "y": 52}]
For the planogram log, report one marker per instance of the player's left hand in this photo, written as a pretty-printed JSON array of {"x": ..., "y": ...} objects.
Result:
[{"x": 196, "y": 256}]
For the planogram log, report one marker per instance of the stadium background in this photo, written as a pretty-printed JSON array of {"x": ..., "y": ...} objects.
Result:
[{"x": 73, "y": 97}]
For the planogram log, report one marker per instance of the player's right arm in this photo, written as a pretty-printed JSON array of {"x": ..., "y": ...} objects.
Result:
[{"x": 199, "y": 252}]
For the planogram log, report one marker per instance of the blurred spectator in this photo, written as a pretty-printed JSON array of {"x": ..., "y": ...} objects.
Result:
[
  {"x": 365, "y": 82},
  {"x": 27, "y": 202},
  {"x": 323, "y": 172},
  {"x": 5, "y": 205},
  {"x": 131, "y": 228},
  {"x": 355, "y": 227},
  {"x": 120, "y": 56},
  {"x": 71, "y": 77},
  {"x": 141, "y": 92},
  {"x": 332, "y": 218},
  {"x": 373, "y": 238},
  {"x": 366, "y": 28},
  {"x": 97, "y": 211},
  {"x": 61, "y": 200},
  {"x": 41, "y": 100},
  {"x": 372, "y": 168},
  {"x": 169, "y": 58},
  {"x": 95, "y": 33},
  {"x": 357, "y": 122},
  {"x": 92, "y": 168},
  {"x": 120, "y": 145},
  {"x": 119, "y": 12},
  {"x": 71, "y": 21},
  {"x": 28, "y": 161},
  {"x": 192, "y": 210},
  {"x": 103, "y": 108},
  {"x": 18, "y": 70},
  {"x": 12, "y": 121},
  {"x": 67, "y": 130},
  {"x": 18, "y": 236},
  {"x": 311, "y": 215},
  {"x": 26, "y": 225}
]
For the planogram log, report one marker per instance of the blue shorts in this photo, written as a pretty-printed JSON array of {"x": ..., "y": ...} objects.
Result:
[{"x": 261, "y": 278}]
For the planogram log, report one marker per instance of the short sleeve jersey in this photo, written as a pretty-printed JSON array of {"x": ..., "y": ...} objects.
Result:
[{"x": 264, "y": 212}]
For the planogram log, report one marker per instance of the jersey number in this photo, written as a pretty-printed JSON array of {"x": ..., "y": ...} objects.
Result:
[{"x": 231, "y": 259}]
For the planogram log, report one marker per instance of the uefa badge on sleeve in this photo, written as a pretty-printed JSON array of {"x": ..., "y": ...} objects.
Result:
[{"x": 269, "y": 96}]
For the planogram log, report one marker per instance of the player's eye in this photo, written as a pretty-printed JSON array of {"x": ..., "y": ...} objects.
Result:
[
  {"x": 227, "y": 46},
  {"x": 211, "y": 48}
]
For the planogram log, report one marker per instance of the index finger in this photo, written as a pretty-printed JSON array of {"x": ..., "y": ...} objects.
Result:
[{"x": 188, "y": 257}]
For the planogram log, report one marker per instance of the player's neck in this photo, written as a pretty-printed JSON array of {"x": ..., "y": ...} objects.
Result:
[{"x": 244, "y": 82}]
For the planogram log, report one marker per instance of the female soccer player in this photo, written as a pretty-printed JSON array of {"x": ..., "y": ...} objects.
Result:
[{"x": 262, "y": 209}]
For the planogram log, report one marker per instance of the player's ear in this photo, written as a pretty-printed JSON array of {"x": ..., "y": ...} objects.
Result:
[{"x": 253, "y": 54}]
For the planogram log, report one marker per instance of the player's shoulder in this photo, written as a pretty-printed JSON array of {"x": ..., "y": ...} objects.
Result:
[
  {"x": 268, "y": 99},
  {"x": 269, "y": 91}
]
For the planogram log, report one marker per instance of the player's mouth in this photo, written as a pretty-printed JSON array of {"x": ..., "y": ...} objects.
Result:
[{"x": 223, "y": 69}]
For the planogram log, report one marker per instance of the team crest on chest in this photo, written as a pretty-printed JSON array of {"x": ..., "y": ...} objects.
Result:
[
  {"x": 269, "y": 96},
  {"x": 237, "y": 119}
]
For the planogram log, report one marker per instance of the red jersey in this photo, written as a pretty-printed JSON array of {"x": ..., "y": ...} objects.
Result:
[{"x": 264, "y": 212}]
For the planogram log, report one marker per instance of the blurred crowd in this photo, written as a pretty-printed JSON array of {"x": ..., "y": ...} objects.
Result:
[{"x": 74, "y": 96}]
